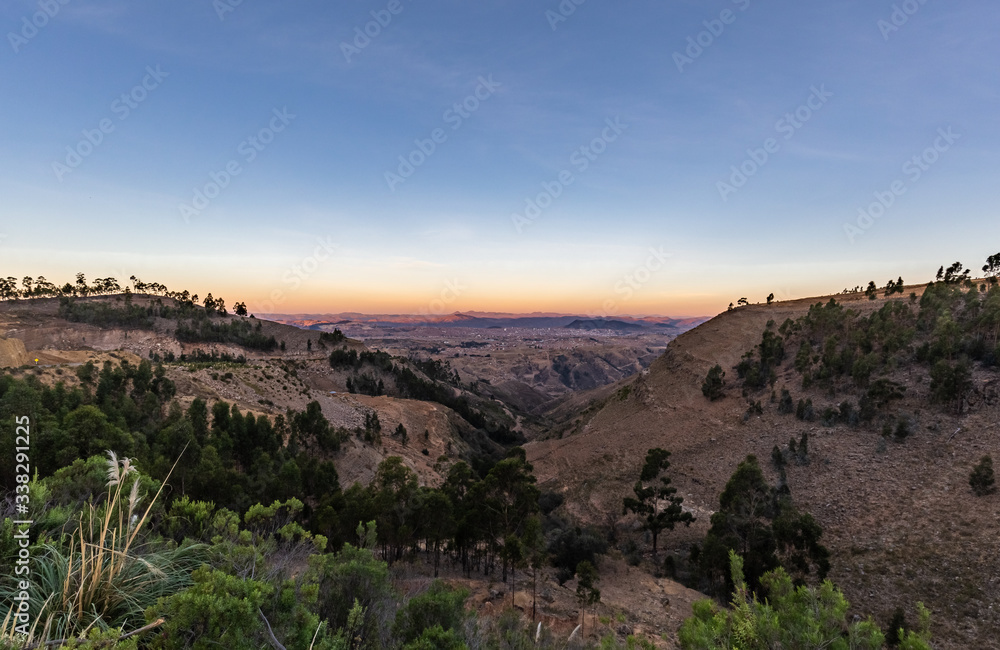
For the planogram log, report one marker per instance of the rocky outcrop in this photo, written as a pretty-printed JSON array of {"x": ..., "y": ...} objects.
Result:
[{"x": 12, "y": 353}]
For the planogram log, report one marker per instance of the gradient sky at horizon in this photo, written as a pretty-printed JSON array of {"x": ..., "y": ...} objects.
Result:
[{"x": 444, "y": 240}]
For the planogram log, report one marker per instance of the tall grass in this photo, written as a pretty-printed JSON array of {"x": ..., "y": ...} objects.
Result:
[{"x": 103, "y": 576}]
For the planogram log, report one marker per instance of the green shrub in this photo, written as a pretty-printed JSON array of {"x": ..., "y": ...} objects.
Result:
[
  {"x": 790, "y": 617},
  {"x": 437, "y": 638},
  {"x": 439, "y": 607},
  {"x": 219, "y": 609}
]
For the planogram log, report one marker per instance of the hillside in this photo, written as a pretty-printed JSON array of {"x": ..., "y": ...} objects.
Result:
[
  {"x": 899, "y": 517},
  {"x": 897, "y": 512},
  {"x": 139, "y": 389},
  {"x": 267, "y": 383}
]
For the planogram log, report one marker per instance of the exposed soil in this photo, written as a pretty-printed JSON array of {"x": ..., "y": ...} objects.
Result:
[{"x": 903, "y": 524}]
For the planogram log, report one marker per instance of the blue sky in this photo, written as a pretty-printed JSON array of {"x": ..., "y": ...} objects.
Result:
[{"x": 311, "y": 222}]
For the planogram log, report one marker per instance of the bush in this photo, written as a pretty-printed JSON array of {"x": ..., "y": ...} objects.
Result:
[
  {"x": 790, "y": 617},
  {"x": 633, "y": 556},
  {"x": 777, "y": 457},
  {"x": 104, "y": 573},
  {"x": 762, "y": 523},
  {"x": 440, "y": 606},
  {"x": 982, "y": 479},
  {"x": 437, "y": 638},
  {"x": 336, "y": 336},
  {"x": 804, "y": 410},
  {"x": 878, "y": 395},
  {"x": 218, "y": 609},
  {"x": 848, "y": 415},
  {"x": 897, "y": 628},
  {"x": 354, "y": 575},
  {"x": 712, "y": 388},
  {"x": 950, "y": 383},
  {"x": 785, "y": 404},
  {"x": 549, "y": 501},
  {"x": 574, "y": 545}
]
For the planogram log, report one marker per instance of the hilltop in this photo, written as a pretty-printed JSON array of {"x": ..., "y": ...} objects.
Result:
[{"x": 898, "y": 517}]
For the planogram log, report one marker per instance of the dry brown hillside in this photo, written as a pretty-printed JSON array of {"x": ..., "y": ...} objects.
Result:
[
  {"x": 268, "y": 384},
  {"x": 902, "y": 524}
]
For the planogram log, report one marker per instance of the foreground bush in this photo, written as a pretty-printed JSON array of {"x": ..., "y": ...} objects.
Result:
[{"x": 791, "y": 617}]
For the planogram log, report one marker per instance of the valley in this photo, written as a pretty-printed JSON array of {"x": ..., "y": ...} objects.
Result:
[{"x": 585, "y": 400}]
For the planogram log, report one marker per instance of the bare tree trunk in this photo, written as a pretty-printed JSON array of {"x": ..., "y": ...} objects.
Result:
[{"x": 534, "y": 589}]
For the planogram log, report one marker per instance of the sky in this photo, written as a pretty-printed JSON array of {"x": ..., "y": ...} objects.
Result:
[{"x": 584, "y": 156}]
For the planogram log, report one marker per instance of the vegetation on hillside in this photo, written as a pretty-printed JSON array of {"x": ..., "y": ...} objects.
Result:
[
  {"x": 228, "y": 567},
  {"x": 41, "y": 288},
  {"x": 760, "y": 523},
  {"x": 194, "y": 323},
  {"x": 647, "y": 501},
  {"x": 951, "y": 330},
  {"x": 428, "y": 381},
  {"x": 789, "y": 617},
  {"x": 237, "y": 533}
]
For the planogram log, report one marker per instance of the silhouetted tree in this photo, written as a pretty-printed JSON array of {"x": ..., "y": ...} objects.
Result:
[
  {"x": 992, "y": 268},
  {"x": 956, "y": 273},
  {"x": 81, "y": 284},
  {"x": 648, "y": 498}
]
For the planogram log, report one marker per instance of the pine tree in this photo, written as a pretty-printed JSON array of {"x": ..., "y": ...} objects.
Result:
[{"x": 647, "y": 498}]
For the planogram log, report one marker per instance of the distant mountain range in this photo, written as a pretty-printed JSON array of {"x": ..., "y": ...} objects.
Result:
[
  {"x": 604, "y": 324},
  {"x": 486, "y": 320}
]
